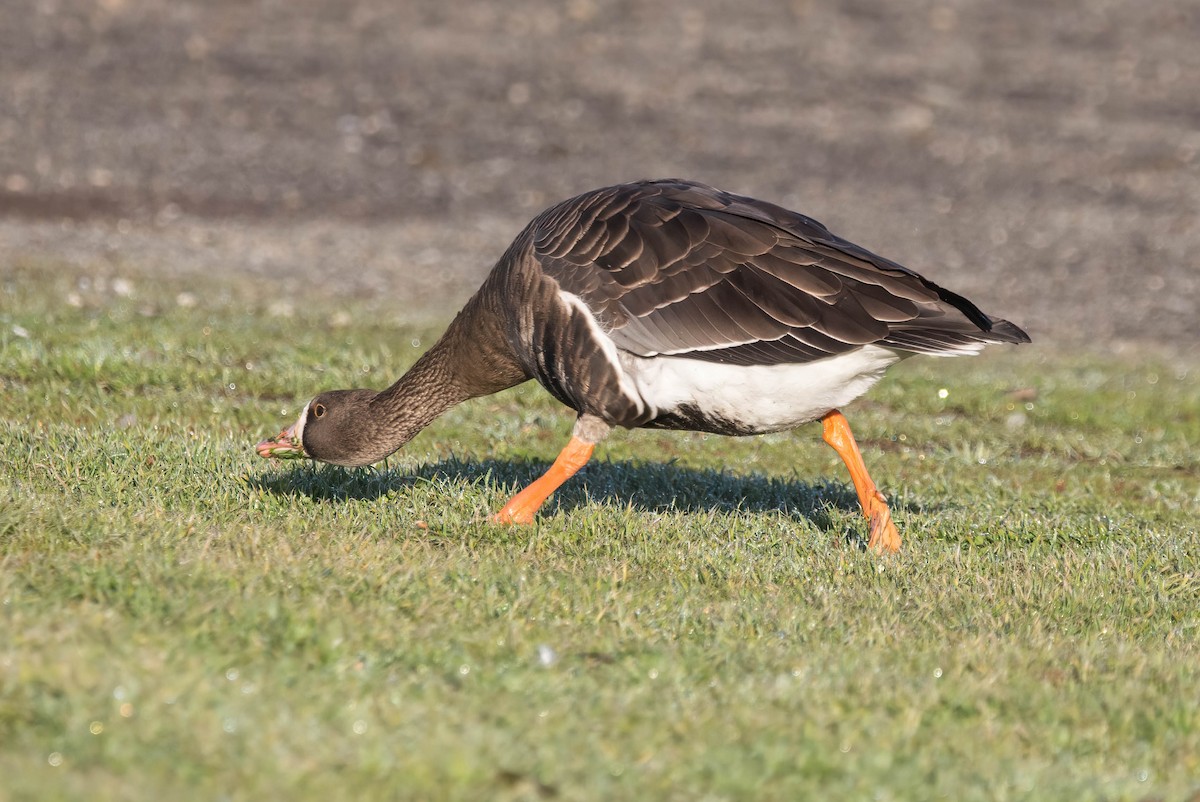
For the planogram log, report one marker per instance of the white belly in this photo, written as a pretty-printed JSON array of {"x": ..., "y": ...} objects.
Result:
[{"x": 757, "y": 399}]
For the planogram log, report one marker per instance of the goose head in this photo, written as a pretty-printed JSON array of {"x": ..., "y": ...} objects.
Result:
[{"x": 341, "y": 427}]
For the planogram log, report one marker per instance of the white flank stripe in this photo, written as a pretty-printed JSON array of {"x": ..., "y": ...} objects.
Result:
[
  {"x": 607, "y": 347},
  {"x": 760, "y": 398}
]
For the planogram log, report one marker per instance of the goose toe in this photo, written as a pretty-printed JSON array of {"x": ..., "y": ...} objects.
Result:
[{"x": 884, "y": 537}]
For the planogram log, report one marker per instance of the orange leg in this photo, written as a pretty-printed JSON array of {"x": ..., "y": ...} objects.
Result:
[
  {"x": 522, "y": 507},
  {"x": 884, "y": 536}
]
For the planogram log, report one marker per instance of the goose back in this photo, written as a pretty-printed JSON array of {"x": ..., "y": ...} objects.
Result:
[{"x": 677, "y": 268}]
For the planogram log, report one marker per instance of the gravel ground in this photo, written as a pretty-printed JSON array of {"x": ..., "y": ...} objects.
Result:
[{"x": 1040, "y": 157}]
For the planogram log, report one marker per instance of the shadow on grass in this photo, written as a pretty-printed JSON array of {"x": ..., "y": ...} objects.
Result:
[{"x": 649, "y": 487}]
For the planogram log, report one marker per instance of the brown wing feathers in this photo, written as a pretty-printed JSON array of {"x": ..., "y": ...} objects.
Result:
[{"x": 684, "y": 269}]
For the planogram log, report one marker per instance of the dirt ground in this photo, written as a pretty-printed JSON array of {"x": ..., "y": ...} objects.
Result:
[{"x": 1042, "y": 158}]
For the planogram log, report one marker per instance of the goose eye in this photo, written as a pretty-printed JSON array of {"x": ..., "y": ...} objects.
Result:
[{"x": 319, "y": 410}]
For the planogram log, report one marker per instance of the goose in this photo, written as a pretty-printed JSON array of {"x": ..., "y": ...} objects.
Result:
[{"x": 665, "y": 304}]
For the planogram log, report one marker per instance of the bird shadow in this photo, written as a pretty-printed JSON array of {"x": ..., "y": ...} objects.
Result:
[{"x": 653, "y": 487}]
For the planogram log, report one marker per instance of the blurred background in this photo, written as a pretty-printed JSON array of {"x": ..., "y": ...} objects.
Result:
[{"x": 1040, "y": 157}]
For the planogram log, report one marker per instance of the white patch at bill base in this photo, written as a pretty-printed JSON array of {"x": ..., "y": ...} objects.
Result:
[{"x": 298, "y": 435}]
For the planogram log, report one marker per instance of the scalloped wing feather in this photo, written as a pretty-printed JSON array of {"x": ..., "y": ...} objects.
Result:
[{"x": 679, "y": 268}]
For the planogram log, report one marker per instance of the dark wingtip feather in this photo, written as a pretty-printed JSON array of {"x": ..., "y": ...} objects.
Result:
[
  {"x": 998, "y": 330},
  {"x": 1004, "y": 332}
]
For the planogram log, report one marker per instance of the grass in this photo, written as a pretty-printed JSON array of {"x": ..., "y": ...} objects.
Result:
[{"x": 692, "y": 618}]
